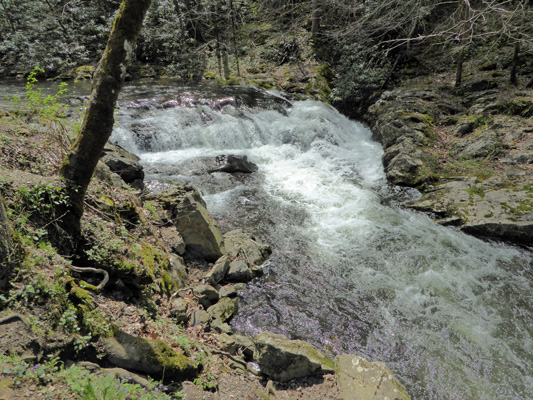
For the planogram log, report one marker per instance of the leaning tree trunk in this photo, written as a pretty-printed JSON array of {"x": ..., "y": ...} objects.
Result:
[
  {"x": 79, "y": 164},
  {"x": 11, "y": 251}
]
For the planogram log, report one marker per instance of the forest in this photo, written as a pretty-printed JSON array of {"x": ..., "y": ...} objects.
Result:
[{"x": 366, "y": 43}]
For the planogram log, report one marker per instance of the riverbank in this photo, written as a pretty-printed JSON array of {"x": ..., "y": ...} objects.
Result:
[{"x": 60, "y": 312}]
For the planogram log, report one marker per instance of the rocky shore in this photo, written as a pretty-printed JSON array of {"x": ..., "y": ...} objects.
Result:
[{"x": 468, "y": 150}]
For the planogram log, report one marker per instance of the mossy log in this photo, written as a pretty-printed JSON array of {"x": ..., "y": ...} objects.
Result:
[
  {"x": 79, "y": 164},
  {"x": 11, "y": 250}
]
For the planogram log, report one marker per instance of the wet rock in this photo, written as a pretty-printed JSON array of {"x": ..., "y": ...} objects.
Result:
[
  {"x": 233, "y": 163},
  {"x": 190, "y": 216},
  {"x": 224, "y": 309},
  {"x": 125, "y": 164},
  {"x": 145, "y": 355},
  {"x": 360, "y": 379},
  {"x": 218, "y": 271},
  {"x": 242, "y": 244},
  {"x": 177, "y": 272},
  {"x": 283, "y": 360},
  {"x": 239, "y": 271}
]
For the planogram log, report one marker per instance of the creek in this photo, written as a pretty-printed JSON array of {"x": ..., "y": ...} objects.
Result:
[{"x": 352, "y": 271}]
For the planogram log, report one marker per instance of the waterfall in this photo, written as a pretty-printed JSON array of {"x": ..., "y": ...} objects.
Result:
[{"x": 351, "y": 270}]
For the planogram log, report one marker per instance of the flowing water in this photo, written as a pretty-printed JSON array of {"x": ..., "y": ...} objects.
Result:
[{"x": 351, "y": 270}]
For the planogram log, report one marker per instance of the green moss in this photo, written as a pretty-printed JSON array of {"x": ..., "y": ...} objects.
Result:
[
  {"x": 95, "y": 323},
  {"x": 80, "y": 295},
  {"x": 167, "y": 357},
  {"x": 477, "y": 191}
]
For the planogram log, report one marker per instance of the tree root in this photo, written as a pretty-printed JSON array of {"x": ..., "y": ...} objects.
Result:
[{"x": 93, "y": 270}]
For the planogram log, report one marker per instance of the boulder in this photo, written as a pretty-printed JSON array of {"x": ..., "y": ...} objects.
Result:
[
  {"x": 239, "y": 271},
  {"x": 218, "y": 271},
  {"x": 283, "y": 359},
  {"x": 177, "y": 272},
  {"x": 360, "y": 379},
  {"x": 403, "y": 122},
  {"x": 224, "y": 309},
  {"x": 125, "y": 164},
  {"x": 207, "y": 294},
  {"x": 486, "y": 209},
  {"x": 192, "y": 220},
  {"x": 173, "y": 239},
  {"x": 145, "y": 355},
  {"x": 487, "y": 144},
  {"x": 227, "y": 291},
  {"x": 233, "y": 163},
  {"x": 242, "y": 244},
  {"x": 178, "y": 310}
]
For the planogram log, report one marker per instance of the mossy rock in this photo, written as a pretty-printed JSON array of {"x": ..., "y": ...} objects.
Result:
[
  {"x": 148, "y": 356},
  {"x": 84, "y": 72}
]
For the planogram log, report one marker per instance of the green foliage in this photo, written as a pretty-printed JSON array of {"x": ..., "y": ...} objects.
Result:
[
  {"x": 359, "y": 75},
  {"x": 207, "y": 382},
  {"x": 78, "y": 381}
]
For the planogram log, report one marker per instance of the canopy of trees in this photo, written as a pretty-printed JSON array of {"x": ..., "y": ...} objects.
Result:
[{"x": 364, "y": 40}]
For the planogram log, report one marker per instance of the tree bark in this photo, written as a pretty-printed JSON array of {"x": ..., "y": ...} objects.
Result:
[
  {"x": 79, "y": 164},
  {"x": 11, "y": 251},
  {"x": 514, "y": 67}
]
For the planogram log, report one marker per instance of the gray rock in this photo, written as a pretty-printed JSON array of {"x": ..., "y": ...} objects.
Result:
[
  {"x": 227, "y": 291},
  {"x": 465, "y": 127},
  {"x": 245, "y": 344},
  {"x": 145, "y": 355},
  {"x": 173, "y": 239},
  {"x": 485, "y": 209},
  {"x": 218, "y": 271},
  {"x": 178, "y": 272},
  {"x": 227, "y": 343},
  {"x": 283, "y": 360},
  {"x": 239, "y": 272},
  {"x": 200, "y": 317},
  {"x": 523, "y": 157},
  {"x": 224, "y": 309},
  {"x": 487, "y": 144},
  {"x": 125, "y": 164},
  {"x": 197, "y": 227},
  {"x": 233, "y": 163},
  {"x": 242, "y": 244},
  {"x": 207, "y": 294},
  {"x": 178, "y": 310},
  {"x": 360, "y": 379},
  {"x": 221, "y": 327}
]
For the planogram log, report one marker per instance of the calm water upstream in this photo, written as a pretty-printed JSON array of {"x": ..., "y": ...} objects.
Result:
[{"x": 351, "y": 271}]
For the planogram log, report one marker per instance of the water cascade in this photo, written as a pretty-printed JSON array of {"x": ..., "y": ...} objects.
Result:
[{"x": 351, "y": 270}]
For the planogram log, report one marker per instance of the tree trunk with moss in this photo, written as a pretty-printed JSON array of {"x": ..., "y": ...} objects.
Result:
[
  {"x": 11, "y": 251},
  {"x": 79, "y": 164}
]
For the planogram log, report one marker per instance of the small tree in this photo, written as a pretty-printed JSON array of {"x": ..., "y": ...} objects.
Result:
[{"x": 79, "y": 164}]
